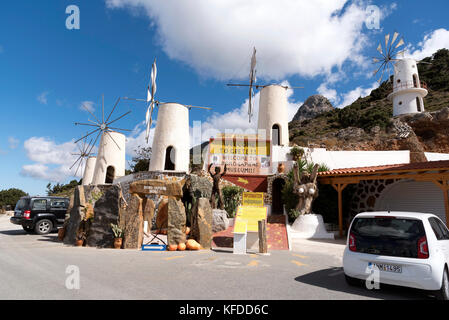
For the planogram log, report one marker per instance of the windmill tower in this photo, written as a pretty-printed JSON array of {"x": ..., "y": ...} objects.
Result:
[
  {"x": 89, "y": 170},
  {"x": 408, "y": 91},
  {"x": 110, "y": 161},
  {"x": 171, "y": 141},
  {"x": 273, "y": 114}
]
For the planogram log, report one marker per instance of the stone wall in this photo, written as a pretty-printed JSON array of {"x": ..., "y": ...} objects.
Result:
[{"x": 366, "y": 194}]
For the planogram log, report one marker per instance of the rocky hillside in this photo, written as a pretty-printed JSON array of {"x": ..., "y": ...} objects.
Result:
[
  {"x": 368, "y": 124},
  {"x": 314, "y": 106}
]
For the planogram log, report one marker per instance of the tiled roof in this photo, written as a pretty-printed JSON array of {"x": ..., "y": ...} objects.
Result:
[{"x": 393, "y": 168}]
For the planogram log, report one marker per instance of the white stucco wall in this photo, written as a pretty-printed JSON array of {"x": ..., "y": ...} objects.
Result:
[
  {"x": 109, "y": 154},
  {"x": 89, "y": 171},
  {"x": 432, "y": 156},
  {"x": 172, "y": 129},
  {"x": 273, "y": 110},
  {"x": 341, "y": 159}
]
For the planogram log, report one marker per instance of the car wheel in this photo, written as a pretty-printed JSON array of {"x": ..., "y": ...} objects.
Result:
[
  {"x": 354, "y": 282},
  {"x": 443, "y": 293},
  {"x": 43, "y": 226},
  {"x": 27, "y": 229}
]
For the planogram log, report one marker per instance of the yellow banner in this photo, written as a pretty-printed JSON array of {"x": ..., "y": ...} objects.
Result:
[
  {"x": 253, "y": 199},
  {"x": 252, "y": 216},
  {"x": 240, "y": 147}
]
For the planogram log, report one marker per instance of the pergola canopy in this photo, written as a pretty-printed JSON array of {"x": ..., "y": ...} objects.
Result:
[{"x": 433, "y": 171}]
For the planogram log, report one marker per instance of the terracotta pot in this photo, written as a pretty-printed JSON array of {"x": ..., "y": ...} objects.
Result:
[
  {"x": 281, "y": 168},
  {"x": 79, "y": 243},
  {"x": 61, "y": 234},
  {"x": 117, "y": 243}
]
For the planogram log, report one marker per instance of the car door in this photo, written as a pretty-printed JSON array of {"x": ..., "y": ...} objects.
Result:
[
  {"x": 445, "y": 238},
  {"x": 58, "y": 207},
  {"x": 38, "y": 206},
  {"x": 442, "y": 235}
]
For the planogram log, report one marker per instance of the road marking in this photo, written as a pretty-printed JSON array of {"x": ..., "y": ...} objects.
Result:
[
  {"x": 299, "y": 264},
  {"x": 175, "y": 257},
  {"x": 299, "y": 256},
  {"x": 253, "y": 263}
]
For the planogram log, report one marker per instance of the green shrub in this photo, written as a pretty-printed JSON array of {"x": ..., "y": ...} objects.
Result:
[{"x": 231, "y": 199}]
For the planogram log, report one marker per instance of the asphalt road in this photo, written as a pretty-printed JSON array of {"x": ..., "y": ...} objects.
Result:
[{"x": 35, "y": 267}]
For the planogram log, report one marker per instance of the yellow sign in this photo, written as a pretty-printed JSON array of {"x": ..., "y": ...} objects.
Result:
[
  {"x": 240, "y": 147},
  {"x": 252, "y": 199},
  {"x": 251, "y": 216},
  {"x": 240, "y": 226}
]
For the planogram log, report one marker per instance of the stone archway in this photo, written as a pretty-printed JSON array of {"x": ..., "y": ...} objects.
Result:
[
  {"x": 277, "y": 206},
  {"x": 273, "y": 190},
  {"x": 110, "y": 175}
]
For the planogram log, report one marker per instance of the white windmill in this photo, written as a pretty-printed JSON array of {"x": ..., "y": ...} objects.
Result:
[
  {"x": 83, "y": 156},
  {"x": 273, "y": 112},
  {"x": 408, "y": 91},
  {"x": 170, "y": 149},
  {"x": 110, "y": 160}
]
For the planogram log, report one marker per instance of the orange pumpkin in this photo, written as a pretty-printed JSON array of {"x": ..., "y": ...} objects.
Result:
[
  {"x": 187, "y": 230},
  {"x": 172, "y": 247},
  {"x": 181, "y": 246},
  {"x": 193, "y": 245}
]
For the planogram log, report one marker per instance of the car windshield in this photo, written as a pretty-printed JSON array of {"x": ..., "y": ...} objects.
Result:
[
  {"x": 388, "y": 236},
  {"x": 22, "y": 203}
]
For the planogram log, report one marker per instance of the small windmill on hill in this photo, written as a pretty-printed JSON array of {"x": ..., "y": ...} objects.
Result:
[
  {"x": 390, "y": 55},
  {"x": 252, "y": 84},
  {"x": 408, "y": 91},
  {"x": 110, "y": 161},
  {"x": 170, "y": 149}
]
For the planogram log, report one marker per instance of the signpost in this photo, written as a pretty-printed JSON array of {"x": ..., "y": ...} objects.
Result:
[{"x": 246, "y": 226}]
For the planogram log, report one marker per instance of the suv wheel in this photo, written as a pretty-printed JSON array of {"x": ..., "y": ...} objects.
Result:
[
  {"x": 43, "y": 226},
  {"x": 443, "y": 293},
  {"x": 27, "y": 229}
]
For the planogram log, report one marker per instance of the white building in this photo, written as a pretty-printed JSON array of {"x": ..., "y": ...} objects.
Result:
[
  {"x": 171, "y": 143},
  {"x": 273, "y": 115},
  {"x": 89, "y": 170},
  {"x": 110, "y": 163},
  {"x": 408, "y": 91}
]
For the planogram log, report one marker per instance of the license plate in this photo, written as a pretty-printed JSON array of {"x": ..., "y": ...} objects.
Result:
[{"x": 386, "y": 267}]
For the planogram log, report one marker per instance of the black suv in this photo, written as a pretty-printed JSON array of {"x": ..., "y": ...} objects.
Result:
[{"x": 40, "y": 214}]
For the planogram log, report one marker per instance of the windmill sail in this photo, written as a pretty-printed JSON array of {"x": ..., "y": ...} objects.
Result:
[
  {"x": 150, "y": 99},
  {"x": 252, "y": 80},
  {"x": 388, "y": 56}
]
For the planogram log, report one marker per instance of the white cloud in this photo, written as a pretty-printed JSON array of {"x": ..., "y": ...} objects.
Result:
[
  {"x": 52, "y": 160},
  {"x": 432, "y": 42},
  {"x": 331, "y": 94},
  {"x": 351, "y": 96},
  {"x": 345, "y": 99},
  {"x": 13, "y": 142},
  {"x": 87, "y": 105},
  {"x": 292, "y": 37},
  {"x": 137, "y": 138},
  {"x": 42, "y": 98}
]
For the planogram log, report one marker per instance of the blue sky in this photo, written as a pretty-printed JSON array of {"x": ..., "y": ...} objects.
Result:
[{"x": 47, "y": 71}]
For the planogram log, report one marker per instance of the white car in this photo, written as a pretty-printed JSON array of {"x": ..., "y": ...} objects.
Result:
[{"x": 404, "y": 248}]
